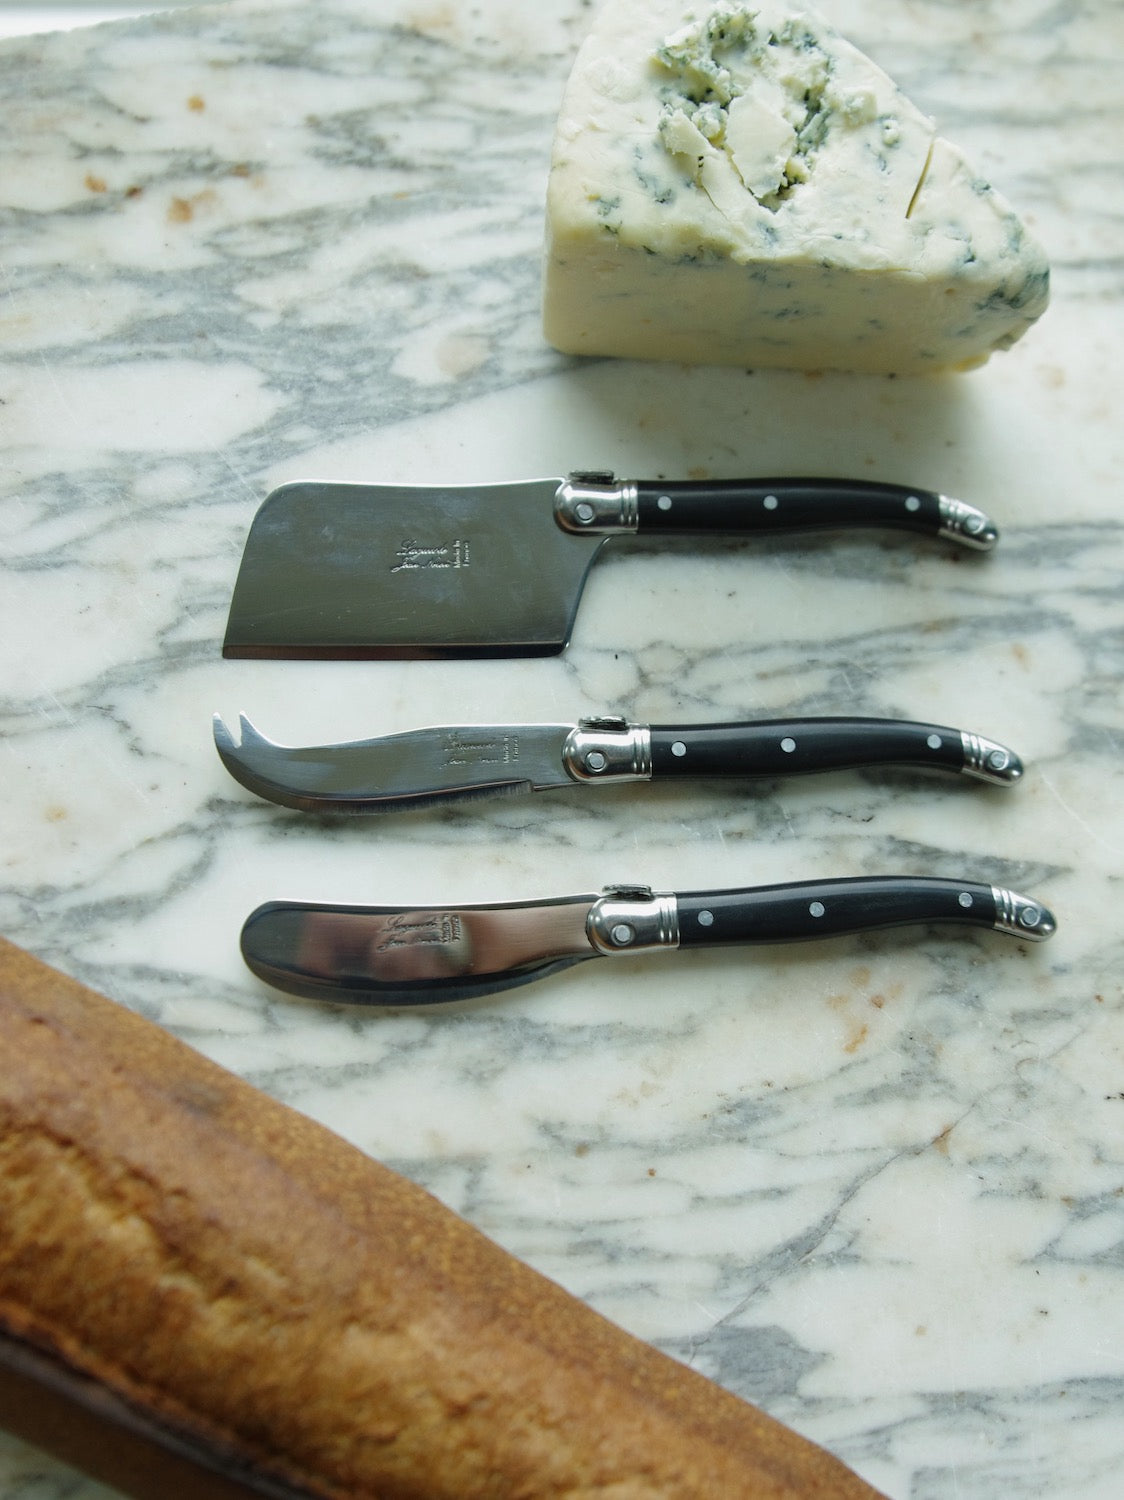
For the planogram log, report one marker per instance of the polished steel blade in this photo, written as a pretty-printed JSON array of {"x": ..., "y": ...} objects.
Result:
[
  {"x": 402, "y": 956},
  {"x": 397, "y": 771},
  {"x": 408, "y": 571}
]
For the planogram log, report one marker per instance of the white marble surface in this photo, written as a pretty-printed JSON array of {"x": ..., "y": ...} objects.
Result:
[
  {"x": 875, "y": 1186},
  {"x": 44, "y": 15}
]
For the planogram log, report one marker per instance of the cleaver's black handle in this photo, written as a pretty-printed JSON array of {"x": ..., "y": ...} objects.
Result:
[
  {"x": 833, "y": 908},
  {"x": 804, "y": 746},
  {"x": 765, "y": 507}
]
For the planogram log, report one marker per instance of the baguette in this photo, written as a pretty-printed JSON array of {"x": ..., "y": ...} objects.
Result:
[{"x": 219, "y": 1289}]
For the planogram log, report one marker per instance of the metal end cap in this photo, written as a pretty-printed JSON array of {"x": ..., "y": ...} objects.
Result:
[
  {"x": 1021, "y": 916},
  {"x": 967, "y": 524},
  {"x": 988, "y": 760}
]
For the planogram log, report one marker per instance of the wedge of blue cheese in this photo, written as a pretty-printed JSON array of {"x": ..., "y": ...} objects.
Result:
[{"x": 738, "y": 184}]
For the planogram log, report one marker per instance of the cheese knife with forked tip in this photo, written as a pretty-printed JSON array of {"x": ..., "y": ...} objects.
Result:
[{"x": 422, "y": 767}]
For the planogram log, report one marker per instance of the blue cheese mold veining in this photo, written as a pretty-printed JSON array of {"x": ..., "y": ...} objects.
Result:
[{"x": 738, "y": 184}]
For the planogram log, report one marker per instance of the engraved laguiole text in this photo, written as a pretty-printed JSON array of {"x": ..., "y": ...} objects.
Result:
[
  {"x": 414, "y": 557},
  {"x": 500, "y": 751},
  {"x": 421, "y": 930}
]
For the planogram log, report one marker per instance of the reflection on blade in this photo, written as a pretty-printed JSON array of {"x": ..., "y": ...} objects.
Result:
[
  {"x": 398, "y": 956},
  {"x": 396, "y": 771}
]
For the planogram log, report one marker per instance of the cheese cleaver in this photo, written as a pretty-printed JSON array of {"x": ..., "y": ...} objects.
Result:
[
  {"x": 365, "y": 571},
  {"x": 400, "y": 955}
]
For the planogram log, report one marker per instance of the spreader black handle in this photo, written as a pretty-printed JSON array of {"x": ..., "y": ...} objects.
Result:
[{"x": 831, "y": 908}]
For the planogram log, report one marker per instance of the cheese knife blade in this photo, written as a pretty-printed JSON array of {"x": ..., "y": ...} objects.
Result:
[
  {"x": 447, "y": 764},
  {"x": 400, "y": 955},
  {"x": 414, "y": 571}
]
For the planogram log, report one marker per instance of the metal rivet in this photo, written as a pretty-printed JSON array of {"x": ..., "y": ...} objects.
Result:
[
  {"x": 622, "y": 934},
  {"x": 934, "y": 742},
  {"x": 706, "y": 918},
  {"x": 817, "y": 908},
  {"x": 788, "y": 746},
  {"x": 965, "y": 898},
  {"x": 1030, "y": 916},
  {"x": 770, "y": 502},
  {"x": 679, "y": 748},
  {"x": 999, "y": 760},
  {"x": 664, "y": 502},
  {"x": 596, "y": 761},
  {"x": 913, "y": 503},
  {"x": 973, "y": 523},
  {"x": 584, "y": 512}
]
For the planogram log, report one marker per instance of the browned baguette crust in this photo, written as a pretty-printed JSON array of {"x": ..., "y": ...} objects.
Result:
[{"x": 242, "y": 1276}]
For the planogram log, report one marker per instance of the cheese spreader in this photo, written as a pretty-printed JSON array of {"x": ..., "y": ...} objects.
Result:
[
  {"x": 358, "y": 571},
  {"x": 401, "y": 955},
  {"x": 422, "y": 767}
]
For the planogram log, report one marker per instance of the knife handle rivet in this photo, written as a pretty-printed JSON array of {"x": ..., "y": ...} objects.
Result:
[
  {"x": 584, "y": 512},
  {"x": 913, "y": 503},
  {"x": 596, "y": 761},
  {"x": 679, "y": 748},
  {"x": 934, "y": 742},
  {"x": 770, "y": 502},
  {"x": 623, "y": 934},
  {"x": 817, "y": 909},
  {"x": 664, "y": 502},
  {"x": 965, "y": 898},
  {"x": 706, "y": 918},
  {"x": 788, "y": 745}
]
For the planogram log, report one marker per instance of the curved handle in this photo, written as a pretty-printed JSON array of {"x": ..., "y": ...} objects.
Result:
[
  {"x": 831, "y": 908},
  {"x": 737, "y": 507},
  {"x": 795, "y": 747}
]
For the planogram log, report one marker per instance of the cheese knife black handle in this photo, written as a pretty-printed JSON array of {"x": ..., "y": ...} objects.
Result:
[
  {"x": 764, "y": 507},
  {"x": 602, "y": 504},
  {"x": 794, "y": 747},
  {"x": 832, "y": 908}
]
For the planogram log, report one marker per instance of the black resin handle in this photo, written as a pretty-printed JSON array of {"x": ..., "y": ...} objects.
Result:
[
  {"x": 830, "y": 908},
  {"x": 794, "y": 747},
  {"x": 772, "y": 506}
]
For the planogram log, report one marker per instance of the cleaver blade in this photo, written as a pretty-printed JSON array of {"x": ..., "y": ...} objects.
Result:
[
  {"x": 376, "y": 571},
  {"x": 408, "y": 572}
]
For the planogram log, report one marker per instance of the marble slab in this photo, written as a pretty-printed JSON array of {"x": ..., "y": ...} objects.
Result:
[{"x": 873, "y": 1185}]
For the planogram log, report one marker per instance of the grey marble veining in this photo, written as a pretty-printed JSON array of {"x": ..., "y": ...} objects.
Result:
[{"x": 873, "y": 1185}]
